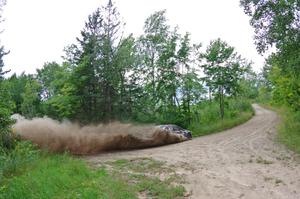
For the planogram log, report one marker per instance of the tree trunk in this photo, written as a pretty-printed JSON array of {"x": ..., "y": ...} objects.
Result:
[
  {"x": 153, "y": 75},
  {"x": 221, "y": 102},
  {"x": 189, "y": 107},
  {"x": 209, "y": 94}
]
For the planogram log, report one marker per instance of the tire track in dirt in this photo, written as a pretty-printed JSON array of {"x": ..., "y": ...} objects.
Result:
[{"x": 243, "y": 162}]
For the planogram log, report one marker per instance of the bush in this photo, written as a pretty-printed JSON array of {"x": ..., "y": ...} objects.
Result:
[
  {"x": 15, "y": 160},
  {"x": 208, "y": 118},
  {"x": 7, "y": 139},
  {"x": 289, "y": 130}
]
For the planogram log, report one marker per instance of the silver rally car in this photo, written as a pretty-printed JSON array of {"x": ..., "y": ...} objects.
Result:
[{"x": 172, "y": 128}]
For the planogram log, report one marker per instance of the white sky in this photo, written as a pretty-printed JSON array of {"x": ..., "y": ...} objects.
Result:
[{"x": 36, "y": 31}]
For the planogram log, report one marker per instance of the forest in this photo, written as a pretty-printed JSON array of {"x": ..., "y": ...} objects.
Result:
[{"x": 159, "y": 77}]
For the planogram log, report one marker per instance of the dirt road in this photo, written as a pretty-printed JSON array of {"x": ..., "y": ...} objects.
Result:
[{"x": 243, "y": 162}]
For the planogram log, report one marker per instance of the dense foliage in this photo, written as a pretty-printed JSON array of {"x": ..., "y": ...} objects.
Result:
[
  {"x": 207, "y": 119},
  {"x": 6, "y": 104},
  {"x": 277, "y": 25},
  {"x": 223, "y": 69},
  {"x": 106, "y": 75}
]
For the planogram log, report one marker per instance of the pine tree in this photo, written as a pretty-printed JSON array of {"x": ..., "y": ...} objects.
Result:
[{"x": 97, "y": 73}]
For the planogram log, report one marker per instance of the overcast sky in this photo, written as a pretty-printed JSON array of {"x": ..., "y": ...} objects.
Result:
[{"x": 36, "y": 31}]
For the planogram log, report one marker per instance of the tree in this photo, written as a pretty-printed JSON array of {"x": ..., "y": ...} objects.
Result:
[
  {"x": 157, "y": 49},
  {"x": 168, "y": 77},
  {"x": 30, "y": 106},
  {"x": 277, "y": 23},
  {"x": 3, "y": 52},
  {"x": 16, "y": 87},
  {"x": 86, "y": 73},
  {"x": 50, "y": 77},
  {"x": 4, "y": 112},
  {"x": 285, "y": 87},
  {"x": 191, "y": 87},
  {"x": 125, "y": 64},
  {"x": 100, "y": 66},
  {"x": 109, "y": 46},
  {"x": 223, "y": 68},
  {"x": 151, "y": 46},
  {"x": 249, "y": 85},
  {"x": 57, "y": 91},
  {"x": 6, "y": 105}
]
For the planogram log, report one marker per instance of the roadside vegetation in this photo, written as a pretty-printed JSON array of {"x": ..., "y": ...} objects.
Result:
[
  {"x": 26, "y": 172},
  {"x": 237, "y": 111},
  {"x": 289, "y": 130}
]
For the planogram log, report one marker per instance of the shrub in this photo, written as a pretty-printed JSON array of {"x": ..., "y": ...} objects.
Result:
[
  {"x": 289, "y": 130},
  {"x": 7, "y": 139},
  {"x": 15, "y": 160},
  {"x": 208, "y": 120}
]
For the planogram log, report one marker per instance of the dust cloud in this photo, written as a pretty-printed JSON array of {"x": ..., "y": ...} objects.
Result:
[{"x": 64, "y": 136}]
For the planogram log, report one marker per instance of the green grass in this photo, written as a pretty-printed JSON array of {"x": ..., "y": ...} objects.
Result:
[
  {"x": 289, "y": 129},
  {"x": 60, "y": 176},
  {"x": 15, "y": 161},
  {"x": 30, "y": 173},
  {"x": 209, "y": 121}
]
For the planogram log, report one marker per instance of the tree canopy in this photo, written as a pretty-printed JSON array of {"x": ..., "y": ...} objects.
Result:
[
  {"x": 277, "y": 23},
  {"x": 159, "y": 76}
]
